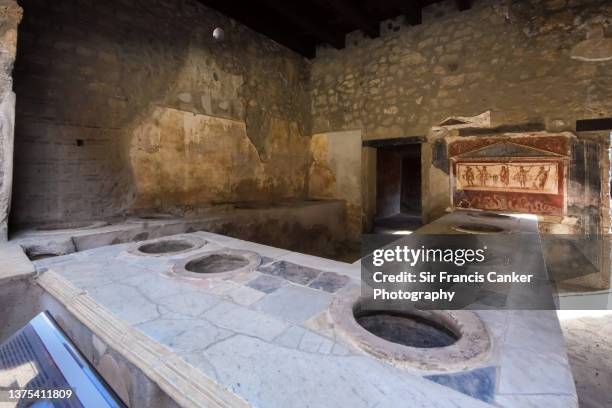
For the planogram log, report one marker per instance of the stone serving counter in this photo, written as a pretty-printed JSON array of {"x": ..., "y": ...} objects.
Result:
[
  {"x": 268, "y": 328},
  {"x": 312, "y": 226}
]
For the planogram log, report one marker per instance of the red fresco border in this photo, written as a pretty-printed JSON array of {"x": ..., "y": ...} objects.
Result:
[{"x": 555, "y": 144}]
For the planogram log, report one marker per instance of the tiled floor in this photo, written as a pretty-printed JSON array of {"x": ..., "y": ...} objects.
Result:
[{"x": 589, "y": 349}]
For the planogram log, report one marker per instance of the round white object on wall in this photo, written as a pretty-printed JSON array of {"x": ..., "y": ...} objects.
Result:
[{"x": 219, "y": 34}]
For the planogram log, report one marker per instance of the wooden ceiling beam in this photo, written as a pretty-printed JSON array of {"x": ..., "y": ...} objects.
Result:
[{"x": 317, "y": 29}]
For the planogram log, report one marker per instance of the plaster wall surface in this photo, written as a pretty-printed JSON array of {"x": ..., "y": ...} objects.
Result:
[
  {"x": 335, "y": 172},
  {"x": 184, "y": 158}
]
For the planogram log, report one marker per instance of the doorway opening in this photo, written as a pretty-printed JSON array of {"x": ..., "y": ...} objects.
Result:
[{"x": 398, "y": 189}]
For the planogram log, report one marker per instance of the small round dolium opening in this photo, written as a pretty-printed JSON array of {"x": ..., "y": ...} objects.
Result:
[
  {"x": 164, "y": 247},
  {"x": 65, "y": 225},
  {"x": 216, "y": 263},
  {"x": 479, "y": 228},
  {"x": 489, "y": 215},
  {"x": 38, "y": 257},
  {"x": 155, "y": 217},
  {"x": 252, "y": 205},
  {"x": 407, "y": 329}
]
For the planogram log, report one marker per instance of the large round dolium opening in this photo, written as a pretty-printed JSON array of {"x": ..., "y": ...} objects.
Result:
[
  {"x": 168, "y": 246},
  {"x": 406, "y": 329},
  {"x": 430, "y": 340},
  {"x": 156, "y": 217},
  {"x": 491, "y": 215},
  {"x": 479, "y": 229},
  {"x": 223, "y": 263},
  {"x": 216, "y": 263},
  {"x": 165, "y": 247}
]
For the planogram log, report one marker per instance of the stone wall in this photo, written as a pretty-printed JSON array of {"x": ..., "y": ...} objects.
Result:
[
  {"x": 130, "y": 105},
  {"x": 127, "y": 105},
  {"x": 512, "y": 57},
  {"x": 10, "y": 15}
]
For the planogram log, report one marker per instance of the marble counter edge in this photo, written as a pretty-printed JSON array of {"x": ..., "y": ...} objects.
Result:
[{"x": 184, "y": 384}]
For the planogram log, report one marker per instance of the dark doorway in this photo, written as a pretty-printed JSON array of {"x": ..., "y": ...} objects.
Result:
[
  {"x": 398, "y": 188},
  {"x": 410, "y": 202}
]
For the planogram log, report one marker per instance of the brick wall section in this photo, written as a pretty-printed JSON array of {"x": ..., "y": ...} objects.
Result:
[
  {"x": 512, "y": 57},
  {"x": 88, "y": 72}
]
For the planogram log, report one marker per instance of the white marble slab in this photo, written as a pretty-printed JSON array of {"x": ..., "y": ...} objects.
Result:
[{"x": 255, "y": 343}]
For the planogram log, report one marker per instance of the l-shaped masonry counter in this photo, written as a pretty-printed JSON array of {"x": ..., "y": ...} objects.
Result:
[
  {"x": 312, "y": 226},
  {"x": 263, "y": 330}
]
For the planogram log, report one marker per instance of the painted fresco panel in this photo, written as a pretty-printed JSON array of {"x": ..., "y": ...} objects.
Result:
[
  {"x": 535, "y": 186},
  {"x": 523, "y": 173},
  {"x": 522, "y": 177}
]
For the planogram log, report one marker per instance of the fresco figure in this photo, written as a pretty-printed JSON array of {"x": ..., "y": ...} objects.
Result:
[
  {"x": 540, "y": 179},
  {"x": 528, "y": 185},
  {"x": 469, "y": 176},
  {"x": 522, "y": 177},
  {"x": 483, "y": 176},
  {"x": 504, "y": 176}
]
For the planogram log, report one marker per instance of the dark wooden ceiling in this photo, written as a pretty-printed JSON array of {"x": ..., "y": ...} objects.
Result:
[{"x": 303, "y": 24}]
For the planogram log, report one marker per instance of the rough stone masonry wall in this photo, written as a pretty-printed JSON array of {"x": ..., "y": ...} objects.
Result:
[
  {"x": 131, "y": 104},
  {"x": 10, "y": 15},
  {"x": 506, "y": 56}
]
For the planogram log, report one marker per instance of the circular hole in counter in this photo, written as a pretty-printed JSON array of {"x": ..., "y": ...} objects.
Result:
[
  {"x": 157, "y": 217},
  {"x": 165, "y": 247},
  {"x": 407, "y": 329},
  {"x": 216, "y": 263},
  {"x": 479, "y": 229},
  {"x": 59, "y": 226},
  {"x": 490, "y": 215},
  {"x": 168, "y": 246},
  {"x": 429, "y": 340},
  {"x": 38, "y": 257},
  {"x": 223, "y": 263}
]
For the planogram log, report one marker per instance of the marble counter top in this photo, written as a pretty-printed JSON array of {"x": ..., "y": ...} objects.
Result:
[{"x": 265, "y": 334}]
